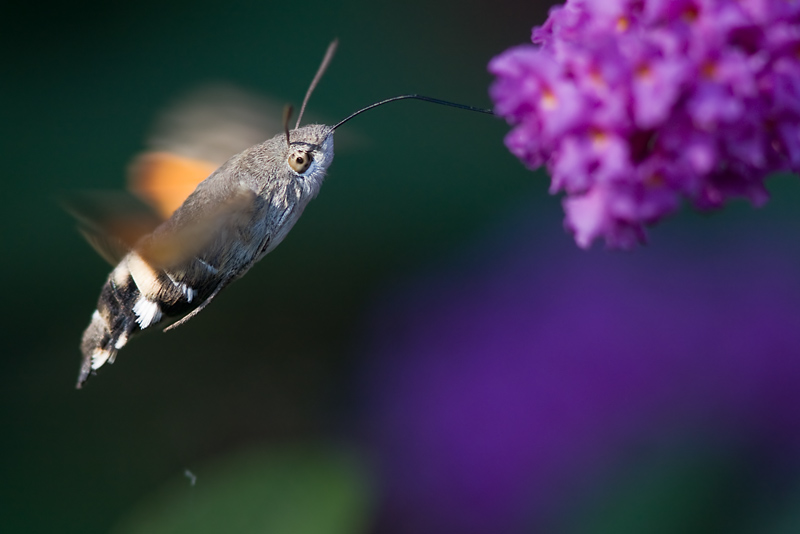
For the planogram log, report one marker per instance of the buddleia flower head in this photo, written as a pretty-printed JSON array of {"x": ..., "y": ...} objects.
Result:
[{"x": 636, "y": 105}]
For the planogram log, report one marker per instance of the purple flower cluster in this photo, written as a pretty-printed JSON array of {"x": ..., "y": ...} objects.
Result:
[{"x": 635, "y": 104}]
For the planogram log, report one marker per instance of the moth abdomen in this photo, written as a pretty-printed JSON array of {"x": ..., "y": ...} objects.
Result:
[
  {"x": 113, "y": 323},
  {"x": 135, "y": 297}
]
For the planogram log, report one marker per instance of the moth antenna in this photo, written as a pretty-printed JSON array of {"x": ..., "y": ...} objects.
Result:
[
  {"x": 287, "y": 114},
  {"x": 320, "y": 71},
  {"x": 415, "y": 97}
]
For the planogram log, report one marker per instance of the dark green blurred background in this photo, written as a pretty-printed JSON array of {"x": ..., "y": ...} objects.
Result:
[
  {"x": 270, "y": 362},
  {"x": 255, "y": 396}
]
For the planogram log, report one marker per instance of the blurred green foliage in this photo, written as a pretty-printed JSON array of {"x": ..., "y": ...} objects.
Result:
[{"x": 292, "y": 489}]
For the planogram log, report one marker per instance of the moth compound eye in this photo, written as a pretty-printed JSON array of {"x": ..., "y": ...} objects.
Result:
[{"x": 299, "y": 161}]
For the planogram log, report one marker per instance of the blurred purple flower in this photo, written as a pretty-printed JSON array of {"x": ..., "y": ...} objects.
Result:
[
  {"x": 498, "y": 391},
  {"x": 654, "y": 101}
]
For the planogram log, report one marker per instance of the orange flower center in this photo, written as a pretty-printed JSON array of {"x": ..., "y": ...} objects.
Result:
[{"x": 549, "y": 100}]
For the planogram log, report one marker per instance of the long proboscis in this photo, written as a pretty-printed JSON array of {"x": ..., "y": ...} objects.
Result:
[{"x": 415, "y": 97}]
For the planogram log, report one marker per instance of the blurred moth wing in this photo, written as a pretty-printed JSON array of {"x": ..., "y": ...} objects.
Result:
[
  {"x": 164, "y": 179},
  {"x": 112, "y": 222},
  {"x": 193, "y": 137},
  {"x": 189, "y": 140}
]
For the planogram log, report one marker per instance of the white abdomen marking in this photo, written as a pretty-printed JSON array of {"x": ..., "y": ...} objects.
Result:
[{"x": 147, "y": 312}]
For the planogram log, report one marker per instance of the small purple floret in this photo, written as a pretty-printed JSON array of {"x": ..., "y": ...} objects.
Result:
[{"x": 634, "y": 105}]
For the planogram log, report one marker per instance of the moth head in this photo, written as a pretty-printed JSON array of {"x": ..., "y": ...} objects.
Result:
[{"x": 310, "y": 149}]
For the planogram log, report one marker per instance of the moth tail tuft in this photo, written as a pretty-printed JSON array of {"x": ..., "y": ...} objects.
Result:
[
  {"x": 101, "y": 342},
  {"x": 96, "y": 347}
]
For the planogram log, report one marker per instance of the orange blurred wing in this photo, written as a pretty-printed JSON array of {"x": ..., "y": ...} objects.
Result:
[
  {"x": 194, "y": 136},
  {"x": 164, "y": 180},
  {"x": 190, "y": 139}
]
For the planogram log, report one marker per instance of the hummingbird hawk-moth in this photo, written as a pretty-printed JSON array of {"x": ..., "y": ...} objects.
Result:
[{"x": 234, "y": 217}]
